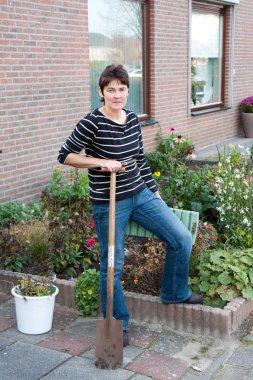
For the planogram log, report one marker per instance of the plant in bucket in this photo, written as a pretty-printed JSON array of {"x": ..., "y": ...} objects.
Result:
[
  {"x": 34, "y": 303},
  {"x": 246, "y": 106}
]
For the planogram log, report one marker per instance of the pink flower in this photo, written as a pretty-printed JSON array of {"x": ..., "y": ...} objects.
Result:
[
  {"x": 93, "y": 224},
  {"x": 172, "y": 131},
  {"x": 179, "y": 139}
]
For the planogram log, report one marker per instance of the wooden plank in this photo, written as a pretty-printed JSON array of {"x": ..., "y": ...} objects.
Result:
[{"x": 189, "y": 218}]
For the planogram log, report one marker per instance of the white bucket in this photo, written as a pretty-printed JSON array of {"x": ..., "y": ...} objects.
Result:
[{"x": 34, "y": 314}]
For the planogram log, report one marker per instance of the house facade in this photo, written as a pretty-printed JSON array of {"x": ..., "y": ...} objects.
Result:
[{"x": 189, "y": 63}]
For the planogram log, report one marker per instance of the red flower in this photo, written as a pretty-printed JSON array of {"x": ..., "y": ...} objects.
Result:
[
  {"x": 91, "y": 241},
  {"x": 93, "y": 224}
]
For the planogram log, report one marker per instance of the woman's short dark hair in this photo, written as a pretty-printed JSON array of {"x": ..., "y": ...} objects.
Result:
[{"x": 112, "y": 72}]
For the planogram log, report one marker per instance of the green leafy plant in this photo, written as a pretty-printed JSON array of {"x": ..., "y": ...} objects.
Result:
[
  {"x": 28, "y": 286},
  {"x": 13, "y": 212},
  {"x": 67, "y": 187},
  {"x": 67, "y": 261},
  {"x": 87, "y": 293},
  {"x": 159, "y": 162},
  {"x": 224, "y": 275},
  {"x": 13, "y": 262}
]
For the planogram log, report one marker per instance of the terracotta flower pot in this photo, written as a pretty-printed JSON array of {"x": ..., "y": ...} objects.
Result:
[{"x": 247, "y": 122}]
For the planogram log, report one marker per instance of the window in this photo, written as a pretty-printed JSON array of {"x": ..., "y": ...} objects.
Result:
[
  {"x": 116, "y": 35},
  {"x": 207, "y": 55}
]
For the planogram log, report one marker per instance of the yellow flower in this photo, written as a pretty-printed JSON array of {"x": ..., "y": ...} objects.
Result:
[{"x": 157, "y": 174}]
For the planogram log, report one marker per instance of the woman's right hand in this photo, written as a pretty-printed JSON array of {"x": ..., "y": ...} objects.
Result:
[{"x": 112, "y": 166}]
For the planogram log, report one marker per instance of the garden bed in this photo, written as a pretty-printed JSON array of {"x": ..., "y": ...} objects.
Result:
[
  {"x": 56, "y": 237},
  {"x": 197, "y": 319}
]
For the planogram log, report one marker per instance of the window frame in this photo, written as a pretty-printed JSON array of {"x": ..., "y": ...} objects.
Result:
[
  {"x": 221, "y": 103},
  {"x": 145, "y": 41}
]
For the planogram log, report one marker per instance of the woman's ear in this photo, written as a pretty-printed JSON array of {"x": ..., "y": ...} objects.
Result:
[
  {"x": 101, "y": 95},
  {"x": 100, "y": 92}
]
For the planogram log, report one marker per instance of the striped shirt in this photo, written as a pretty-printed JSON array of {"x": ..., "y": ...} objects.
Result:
[{"x": 103, "y": 138}]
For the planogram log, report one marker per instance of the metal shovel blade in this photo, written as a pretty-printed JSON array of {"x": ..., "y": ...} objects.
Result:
[{"x": 109, "y": 344}]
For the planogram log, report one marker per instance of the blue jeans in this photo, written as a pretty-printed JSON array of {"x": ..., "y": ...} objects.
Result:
[{"x": 153, "y": 214}]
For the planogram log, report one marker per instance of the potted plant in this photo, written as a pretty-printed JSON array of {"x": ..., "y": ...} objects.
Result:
[
  {"x": 34, "y": 303},
  {"x": 246, "y": 106}
]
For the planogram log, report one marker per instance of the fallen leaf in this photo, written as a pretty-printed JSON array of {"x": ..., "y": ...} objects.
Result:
[{"x": 197, "y": 369}]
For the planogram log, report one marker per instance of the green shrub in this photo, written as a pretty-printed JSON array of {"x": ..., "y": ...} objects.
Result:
[
  {"x": 175, "y": 145},
  {"x": 87, "y": 293},
  {"x": 224, "y": 275},
  {"x": 67, "y": 261},
  {"x": 159, "y": 162},
  {"x": 68, "y": 187},
  {"x": 17, "y": 212}
]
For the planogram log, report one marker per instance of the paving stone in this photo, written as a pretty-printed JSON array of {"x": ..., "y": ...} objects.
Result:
[
  {"x": 4, "y": 297},
  {"x": 8, "y": 309},
  {"x": 171, "y": 343},
  {"x": 79, "y": 368},
  {"x": 63, "y": 316},
  {"x": 242, "y": 357},
  {"x": 14, "y": 334},
  {"x": 230, "y": 372},
  {"x": 83, "y": 326},
  {"x": 129, "y": 354},
  {"x": 248, "y": 337},
  {"x": 161, "y": 367},
  {"x": 21, "y": 361},
  {"x": 141, "y": 336},
  {"x": 141, "y": 377},
  {"x": 249, "y": 375},
  {"x": 4, "y": 342},
  {"x": 68, "y": 342},
  {"x": 6, "y": 323}
]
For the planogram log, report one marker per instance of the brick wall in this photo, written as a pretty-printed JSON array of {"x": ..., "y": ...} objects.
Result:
[
  {"x": 45, "y": 83},
  {"x": 169, "y": 83},
  {"x": 44, "y": 88}
]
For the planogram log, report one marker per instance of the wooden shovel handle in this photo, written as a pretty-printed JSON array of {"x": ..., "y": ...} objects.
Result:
[{"x": 111, "y": 249}]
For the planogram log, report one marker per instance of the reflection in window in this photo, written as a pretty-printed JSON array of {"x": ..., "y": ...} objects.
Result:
[
  {"x": 115, "y": 36},
  {"x": 206, "y": 55}
]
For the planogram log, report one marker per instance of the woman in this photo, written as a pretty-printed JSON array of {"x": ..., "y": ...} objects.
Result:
[{"x": 111, "y": 137}]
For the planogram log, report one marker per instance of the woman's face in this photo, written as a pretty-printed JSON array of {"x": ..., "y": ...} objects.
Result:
[{"x": 115, "y": 95}]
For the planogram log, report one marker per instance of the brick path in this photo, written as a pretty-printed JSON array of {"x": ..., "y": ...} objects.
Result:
[{"x": 67, "y": 352}]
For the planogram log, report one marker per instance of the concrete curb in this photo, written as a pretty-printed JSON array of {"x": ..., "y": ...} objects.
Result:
[{"x": 197, "y": 319}]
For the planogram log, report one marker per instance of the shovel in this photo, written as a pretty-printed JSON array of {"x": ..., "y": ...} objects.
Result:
[{"x": 109, "y": 332}]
